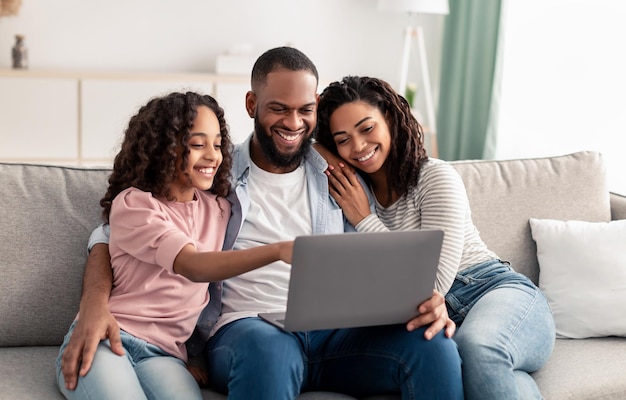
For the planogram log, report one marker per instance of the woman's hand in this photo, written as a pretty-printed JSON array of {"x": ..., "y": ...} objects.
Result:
[
  {"x": 433, "y": 312},
  {"x": 330, "y": 157},
  {"x": 348, "y": 192}
]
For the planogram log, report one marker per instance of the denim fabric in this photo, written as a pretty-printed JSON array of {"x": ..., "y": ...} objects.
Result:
[
  {"x": 144, "y": 372},
  {"x": 252, "y": 356},
  {"x": 505, "y": 331}
]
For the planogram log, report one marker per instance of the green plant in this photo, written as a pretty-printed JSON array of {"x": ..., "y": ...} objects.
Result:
[{"x": 409, "y": 94}]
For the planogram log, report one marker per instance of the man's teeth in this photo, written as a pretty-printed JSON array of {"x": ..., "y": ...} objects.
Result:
[
  {"x": 367, "y": 156},
  {"x": 289, "y": 138}
]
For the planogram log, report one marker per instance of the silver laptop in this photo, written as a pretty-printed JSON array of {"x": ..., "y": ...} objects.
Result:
[{"x": 359, "y": 279}]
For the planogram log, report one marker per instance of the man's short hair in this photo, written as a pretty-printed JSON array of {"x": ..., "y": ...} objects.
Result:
[{"x": 280, "y": 57}]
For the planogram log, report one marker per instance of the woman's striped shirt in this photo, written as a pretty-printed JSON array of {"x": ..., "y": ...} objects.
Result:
[{"x": 439, "y": 201}]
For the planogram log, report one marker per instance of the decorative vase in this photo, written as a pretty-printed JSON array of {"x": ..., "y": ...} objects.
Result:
[{"x": 20, "y": 53}]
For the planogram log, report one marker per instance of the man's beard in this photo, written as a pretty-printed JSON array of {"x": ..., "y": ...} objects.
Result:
[{"x": 271, "y": 153}]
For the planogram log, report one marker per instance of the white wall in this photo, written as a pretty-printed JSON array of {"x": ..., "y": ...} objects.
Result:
[{"x": 341, "y": 36}]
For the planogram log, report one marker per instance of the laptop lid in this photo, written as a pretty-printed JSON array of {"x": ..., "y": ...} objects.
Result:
[{"x": 359, "y": 279}]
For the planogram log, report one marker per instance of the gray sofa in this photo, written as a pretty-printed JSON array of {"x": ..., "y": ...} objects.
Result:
[{"x": 48, "y": 212}]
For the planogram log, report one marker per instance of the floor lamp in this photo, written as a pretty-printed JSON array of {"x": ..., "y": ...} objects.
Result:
[{"x": 416, "y": 32}]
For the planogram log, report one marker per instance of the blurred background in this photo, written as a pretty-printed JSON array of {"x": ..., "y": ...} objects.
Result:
[{"x": 507, "y": 78}]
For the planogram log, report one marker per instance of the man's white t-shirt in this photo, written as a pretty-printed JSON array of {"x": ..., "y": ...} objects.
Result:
[{"x": 279, "y": 211}]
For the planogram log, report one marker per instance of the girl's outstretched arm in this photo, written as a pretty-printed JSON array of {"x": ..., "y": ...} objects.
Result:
[{"x": 218, "y": 265}]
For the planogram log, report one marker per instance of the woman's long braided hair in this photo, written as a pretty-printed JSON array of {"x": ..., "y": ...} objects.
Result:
[{"x": 407, "y": 136}]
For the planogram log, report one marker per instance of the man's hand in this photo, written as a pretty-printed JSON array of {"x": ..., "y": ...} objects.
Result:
[
  {"x": 91, "y": 328},
  {"x": 95, "y": 321},
  {"x": 433, "y": 312}
]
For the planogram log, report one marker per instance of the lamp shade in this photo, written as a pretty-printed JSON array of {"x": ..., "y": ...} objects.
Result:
[
  {"x": 415, "y": 6},
  {"x": 9, "y": 7}
]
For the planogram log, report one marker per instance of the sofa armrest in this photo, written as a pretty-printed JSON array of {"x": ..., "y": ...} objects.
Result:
[{"x": 618, "y": 206}]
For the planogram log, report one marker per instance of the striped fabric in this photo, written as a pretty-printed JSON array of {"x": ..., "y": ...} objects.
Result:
[{"x": 439, "y": 201}]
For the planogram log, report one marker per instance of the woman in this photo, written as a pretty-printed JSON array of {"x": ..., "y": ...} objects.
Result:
[{"x": 505, "y": 327}]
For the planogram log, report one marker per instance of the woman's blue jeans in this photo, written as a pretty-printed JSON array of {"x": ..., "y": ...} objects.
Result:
[
  {"x": 505, "y": 331},
  {"x": 144, "y": 372},
  {"x": 250, "y": 356}
]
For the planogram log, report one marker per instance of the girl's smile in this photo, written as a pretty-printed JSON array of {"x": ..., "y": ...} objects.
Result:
[
  {"x": 204, "y": 158},
  {"x": 208, "y": 172}
]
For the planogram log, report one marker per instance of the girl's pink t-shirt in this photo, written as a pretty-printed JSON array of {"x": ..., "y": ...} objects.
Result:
[{"x": 148, "y": 299}]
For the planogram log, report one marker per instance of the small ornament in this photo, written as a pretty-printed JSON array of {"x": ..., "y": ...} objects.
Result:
[{"x": 20, "y": 53}]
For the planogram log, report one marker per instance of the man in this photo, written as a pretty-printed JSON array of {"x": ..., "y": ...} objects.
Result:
[{"x": 283, "y": 193}]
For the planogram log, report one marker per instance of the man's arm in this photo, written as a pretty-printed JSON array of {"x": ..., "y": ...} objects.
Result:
[{"x": 95, "y": 322}]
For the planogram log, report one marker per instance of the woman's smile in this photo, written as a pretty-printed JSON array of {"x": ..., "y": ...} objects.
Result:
[{"x": 367, "y": 155}]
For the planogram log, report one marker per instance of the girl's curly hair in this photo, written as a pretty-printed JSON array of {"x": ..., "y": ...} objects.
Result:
[
  {"x": 407, "y": 152},
  {"x": 155, "y": 137}
]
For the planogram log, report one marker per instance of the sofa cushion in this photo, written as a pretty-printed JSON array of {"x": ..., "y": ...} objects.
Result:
[
  {"x": 583, "y": 275},
  {"x": 618, "y": 206},
  {"x": 504, "y": 194},
  {"x": 47, "y": 215},
  {"x": 584, "y": 369},
  {"x": 29, "y": 373}
]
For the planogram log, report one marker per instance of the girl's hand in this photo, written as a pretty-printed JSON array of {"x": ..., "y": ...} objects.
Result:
[
  {"x": 348, "y": 192},
  {"x": 434, "y": 312},
  {"x": 199, "y": 375}
]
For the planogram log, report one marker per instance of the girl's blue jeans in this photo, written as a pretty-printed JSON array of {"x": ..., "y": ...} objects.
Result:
[
  {"x": 250, "y": 356},
  {"x": 144, "y": 372},
  {"x": 505, "y": 330}
]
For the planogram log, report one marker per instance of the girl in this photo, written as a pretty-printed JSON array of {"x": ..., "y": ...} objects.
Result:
[
  {"x": 505, "y": 327},
  {"x": 167, "y": 210}
]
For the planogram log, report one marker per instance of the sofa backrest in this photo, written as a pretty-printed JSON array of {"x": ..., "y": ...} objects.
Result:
[
  {"x": 48, "y": 212},
  {"x": 503, "y": 195},
  {"x": 46, "y": 216}
]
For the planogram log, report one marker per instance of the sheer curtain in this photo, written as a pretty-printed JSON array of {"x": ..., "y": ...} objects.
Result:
[{"x": 563, "y": 81}]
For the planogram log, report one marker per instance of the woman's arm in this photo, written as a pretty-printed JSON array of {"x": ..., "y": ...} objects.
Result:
[{"x": 443, "y": 203}]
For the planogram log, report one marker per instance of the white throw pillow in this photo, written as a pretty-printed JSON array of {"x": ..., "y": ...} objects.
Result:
[{"x": 582, "y": 272}]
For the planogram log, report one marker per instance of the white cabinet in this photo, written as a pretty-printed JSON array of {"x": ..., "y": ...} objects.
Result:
[
  {"x": 78, "y": 118},
  {"x": 232, "y": 98},
  {"x": 38, "y": 119},
  {"x": 108, "y": 104}
]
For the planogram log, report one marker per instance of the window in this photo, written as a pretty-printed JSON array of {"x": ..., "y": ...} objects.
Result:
[{"x": 564, "y": 81}]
